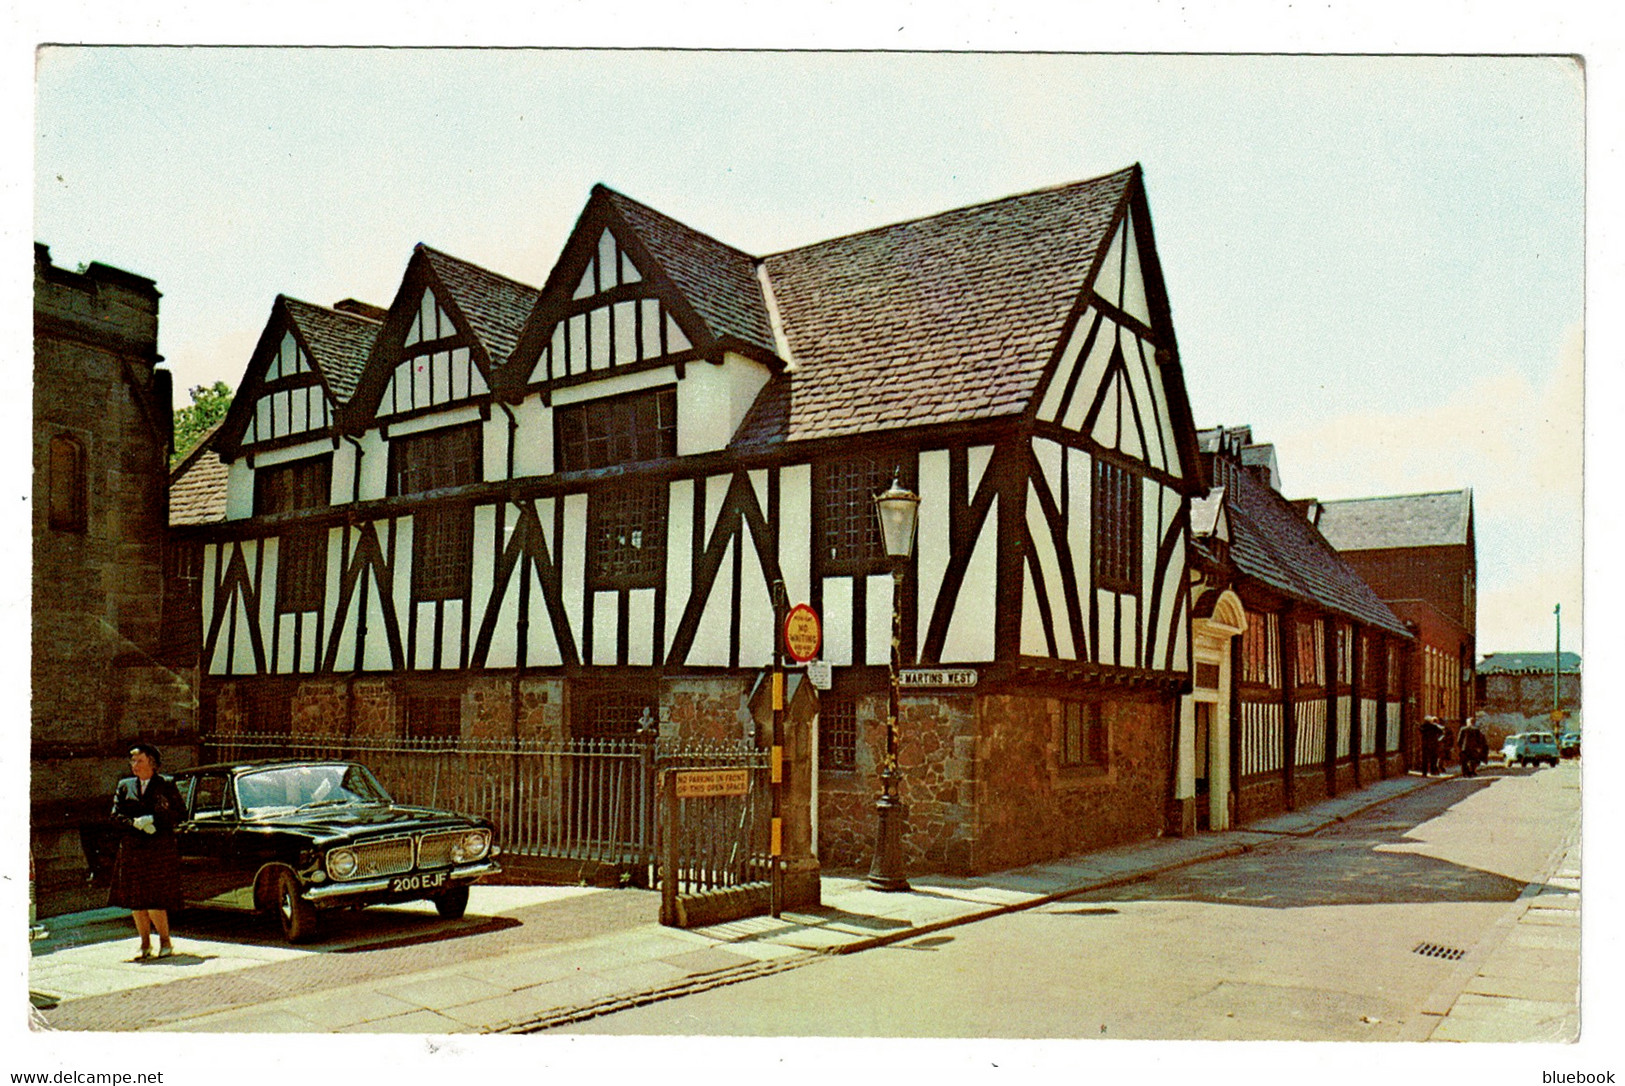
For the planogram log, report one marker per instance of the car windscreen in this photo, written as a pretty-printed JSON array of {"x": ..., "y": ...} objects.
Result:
[{"x": 282, "y": 789}]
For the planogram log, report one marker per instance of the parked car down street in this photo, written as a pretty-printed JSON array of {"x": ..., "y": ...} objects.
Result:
[{"x": 1530, "y": 748}]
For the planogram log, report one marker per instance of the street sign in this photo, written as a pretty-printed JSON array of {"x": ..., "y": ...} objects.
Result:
[
  {"x": 819, "y": 673},
  {"x": 802, "y": 633},
  {"x": 695, "y": 783},
  {"x": 924, "y": 676}
]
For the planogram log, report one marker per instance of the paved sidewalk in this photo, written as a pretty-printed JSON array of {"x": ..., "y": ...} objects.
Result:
[
  {"x": 1526, "y": 987},
  {"x": 530, "y": 988}
]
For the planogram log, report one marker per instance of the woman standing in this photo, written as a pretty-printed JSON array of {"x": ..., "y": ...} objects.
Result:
[{"x": 146, "y": 875}]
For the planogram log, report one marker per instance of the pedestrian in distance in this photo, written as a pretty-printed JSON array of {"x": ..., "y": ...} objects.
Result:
[
  {"x": 1432, "y": 733},
  {"x": 1472, "y": 747},
  {"x": 146, "y": 874}
]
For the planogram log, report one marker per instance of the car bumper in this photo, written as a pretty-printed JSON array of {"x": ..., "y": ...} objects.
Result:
[{"x": 338, "y": 893}]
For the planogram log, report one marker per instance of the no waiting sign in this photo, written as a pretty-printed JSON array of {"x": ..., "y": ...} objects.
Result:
[{"x": 803, "y": 635}]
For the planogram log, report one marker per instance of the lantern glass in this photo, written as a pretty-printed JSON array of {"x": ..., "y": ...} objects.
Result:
[{"x": 898, "y": 509}]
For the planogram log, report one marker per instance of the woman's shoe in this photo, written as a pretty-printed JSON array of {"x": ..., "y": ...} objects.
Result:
[
  {"x": 166, "y": 951},
  {"x": 145, "y": 955}
]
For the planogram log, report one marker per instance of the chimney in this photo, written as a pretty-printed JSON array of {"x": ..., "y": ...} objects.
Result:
[{"x": 361, "y": 309}]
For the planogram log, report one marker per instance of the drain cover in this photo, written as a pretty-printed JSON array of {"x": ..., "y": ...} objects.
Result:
[{"x": 1434, "y": 950}]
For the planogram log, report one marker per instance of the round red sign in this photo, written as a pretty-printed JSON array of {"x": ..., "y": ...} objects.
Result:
[{"x": 803, "y": 636}]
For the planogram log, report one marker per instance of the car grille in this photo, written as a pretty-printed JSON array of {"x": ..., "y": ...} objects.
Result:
[
  {"x": 390, "y": 857},
  {"x": 434, "y": 849}
]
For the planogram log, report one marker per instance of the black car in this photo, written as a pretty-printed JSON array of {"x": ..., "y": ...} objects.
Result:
[{"x": 298, "y": 837}]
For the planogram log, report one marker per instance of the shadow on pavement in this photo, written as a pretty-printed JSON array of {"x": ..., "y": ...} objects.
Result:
[{"x": 1348, "y": 863}]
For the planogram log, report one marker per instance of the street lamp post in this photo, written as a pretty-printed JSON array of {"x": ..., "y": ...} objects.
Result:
[{"x": 898, "y": 510}]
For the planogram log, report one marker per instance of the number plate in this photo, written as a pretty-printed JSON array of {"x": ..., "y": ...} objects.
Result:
[{"x": 405, "y": 884}]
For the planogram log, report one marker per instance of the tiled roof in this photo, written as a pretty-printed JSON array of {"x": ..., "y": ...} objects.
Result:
[
  {"x": 1273, "y": 543},
  {"x": 197, "y": 486},
  {"x": 718, "y": 280},
  {"x": 947, "y": 318},
  {"x": 1527, "y": 663},
  {"x": 339, "y": 341},
  {"x": 496, "y": 306},
  {"x": 1407, "y": 520}
]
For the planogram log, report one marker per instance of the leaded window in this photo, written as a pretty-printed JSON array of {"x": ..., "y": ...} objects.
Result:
[
  {"x": 1083, "y": 735},
  {"x": 442, "y": 552},
  {"x": 434, "y": 716},
  {"x": 850, "y": 535},
  {"x": 436, "y": 459},
  {"x": 302, "y": 570},
  {"x": 1115, "y": 526},
  {"x": 613, "y": 712},
  {"x": 626, "y": 535},
  {"x": 300, "y": 484},
  {"x": 837, "y": 735},
  {"x": 617, "y": 430}
]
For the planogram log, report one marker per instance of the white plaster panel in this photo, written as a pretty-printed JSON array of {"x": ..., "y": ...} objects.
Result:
[
  {"x": 712, "y": 401},
  {"x": 1049, "y": 564},
  {"x": 1109, "y": 283},
  {"x": 1106, "y": 650},
  {"x": 486, "y": 546},
  {"x": 795, "y": 531},
  {"x": 310, "y": 646},
  {"x": 266, "y": 619},
  {"x": 1106, "y": 429},
  {"x": 571, "y": 553},
  {"x": 970, "y": 632},
  {"x": 599, "y": 331},
  {"x": 374, "y": 466},
  {"x": 542, "y": 644},
  {"x": 451, "y": 637},
  {"x": 503, "y": 651},
  {"x": 1140, "y": 394},
  {"x": 640, "y": 619},
  {"x": 675, "y": 339},
  {"x": 756, "y": 634},
  {"x": 710, "y": 648},
  {"x": 1032, "y": 623},
  {"x": 1134, "y": 300},
  {"x": 285, "y": 626},
  {"x": 494, "y": 447},
  {"x": 211, "y": 566},
  {"x": 533, "y": 441},
  {"x": 626, "y": 332},
  {"x": 679, "y": 554},
  {"x": 1094, "y": 372},
  {"x": 837, "y": 618},
  {"x": 605, "y": 626},
  {"x": 931, "y": 538},
  {"x": 877, "y": 616},
  {"x": 422, "y": 645},
  {"x": 1080, "y": 477},
  {"x": 976, "y": 461},
  {"x": 242, "y": 660},
  {"x": 716, "y": 492},
  {"x": 1128, "y": 652}
]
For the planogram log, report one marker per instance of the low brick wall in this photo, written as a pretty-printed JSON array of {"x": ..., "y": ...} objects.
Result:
[
  {"x": 1260, "y": 799},
  {"x": 1309, "y": 785}
]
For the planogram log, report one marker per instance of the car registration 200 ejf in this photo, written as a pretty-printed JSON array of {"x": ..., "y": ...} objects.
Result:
[{"x": 409, "y": 883}]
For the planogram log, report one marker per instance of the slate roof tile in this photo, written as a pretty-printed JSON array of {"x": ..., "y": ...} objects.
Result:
[
  {"x": 197, "y": 486},
  {"x": 1272, "y": 542},
  {"x": 496, "y": 306},
  {"x": 1527, "y": 663},
  {"x": 717, "y": 279},
  {"x": 1407, "y": 520},
  {"x": 339, "y": 341}
]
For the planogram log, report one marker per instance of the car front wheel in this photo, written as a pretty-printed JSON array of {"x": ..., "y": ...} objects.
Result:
[
  {"x": 297, "y": 916},
  {"x": 453, "y": 903}
]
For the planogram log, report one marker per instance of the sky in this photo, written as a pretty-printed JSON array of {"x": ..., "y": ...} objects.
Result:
[{"x": 1377, "y": 263}]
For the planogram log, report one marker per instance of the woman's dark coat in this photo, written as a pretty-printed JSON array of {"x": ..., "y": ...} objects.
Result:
[{"x": 146, "y": 874}]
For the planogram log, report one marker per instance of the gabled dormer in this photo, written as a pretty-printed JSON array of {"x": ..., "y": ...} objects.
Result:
[
  {"x": 301, "y": 373},
  {"x": 634, "y": 302},
  {"x": 451, "y": 326}
]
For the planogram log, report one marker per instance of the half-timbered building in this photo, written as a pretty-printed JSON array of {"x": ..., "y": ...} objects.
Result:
[
  {"x": 1299, "y": 676},
  {"x": 495, "y": 511}
]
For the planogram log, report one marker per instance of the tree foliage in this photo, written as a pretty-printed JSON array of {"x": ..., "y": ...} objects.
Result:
[{"x": 208, "y": 407}]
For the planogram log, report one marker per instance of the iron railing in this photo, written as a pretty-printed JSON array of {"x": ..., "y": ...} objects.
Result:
[{"x": 589, "y": 800}]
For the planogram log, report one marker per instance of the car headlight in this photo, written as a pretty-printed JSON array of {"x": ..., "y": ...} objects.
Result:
[
  {"x": 341, "y": 863},
  {"x": 473, "y": 845}
]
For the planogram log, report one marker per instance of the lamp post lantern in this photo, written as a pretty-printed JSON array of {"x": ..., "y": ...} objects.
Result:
[{"x": 898, "y": 510}]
